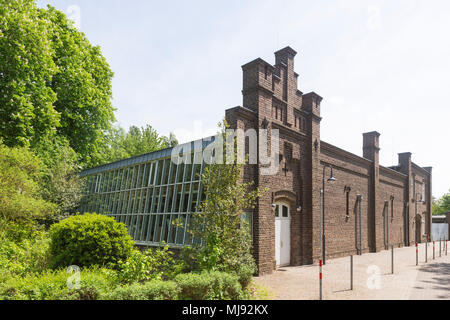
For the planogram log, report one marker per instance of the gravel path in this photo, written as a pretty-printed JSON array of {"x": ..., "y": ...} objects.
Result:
[{"x": 372, "y": 278}]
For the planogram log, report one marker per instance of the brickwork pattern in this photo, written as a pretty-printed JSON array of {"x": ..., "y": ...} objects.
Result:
[{"x": 389, "y": 211}]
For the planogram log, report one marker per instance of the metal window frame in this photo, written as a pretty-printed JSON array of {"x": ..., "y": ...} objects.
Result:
[{"x": 131, "y": 191}]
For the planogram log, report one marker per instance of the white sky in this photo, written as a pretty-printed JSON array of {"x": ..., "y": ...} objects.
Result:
[{"x": 380, "y": 65}]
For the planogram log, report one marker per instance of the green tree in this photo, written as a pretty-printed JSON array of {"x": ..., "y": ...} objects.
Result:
[
  {"x": 20, "y": 193},
  {"x": 52, "y": 81},
  {"x": 227, "y": 242},
  {"x": 26, "y": 71},
  {"x": 82, "y": 85},
  {"x": 121, "y": 144},
  {"x": 441, "y": 205},
  {"x": 60, "y": 182}
]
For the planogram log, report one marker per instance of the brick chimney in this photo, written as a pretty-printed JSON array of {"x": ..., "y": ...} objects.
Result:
[
  {"x": 371, "y": 151},
  {"x": 371, "y": 146},
  {"x": 404, "y": 166}
]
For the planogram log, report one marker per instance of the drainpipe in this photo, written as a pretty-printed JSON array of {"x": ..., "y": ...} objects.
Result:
[
  {"x": 386, "y": 205},
  {"x": 359, "y": 197},
  {"x": 407, "y": 224}
]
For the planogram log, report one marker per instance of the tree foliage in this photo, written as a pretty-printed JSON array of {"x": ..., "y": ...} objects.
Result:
[
  {"x": 441, "y": 205},
  {"x": 52, "y": 81},
  {"x": 26, "y": 71},
  {"x": 60, "y": 182},
  {"x": 20, "y": 193},
  {"x": 227, "y": 242},
  {"x": 121, "y": 144},
  {"x": 82, "y": 85}
]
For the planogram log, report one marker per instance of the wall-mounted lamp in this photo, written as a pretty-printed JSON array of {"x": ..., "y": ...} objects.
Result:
[
  {"x": 274, "y": 205},
  {"x": 299, "y": 208}
]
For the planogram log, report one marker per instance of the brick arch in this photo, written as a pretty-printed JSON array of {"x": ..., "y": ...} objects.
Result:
[{"x": 285, "y": 195}]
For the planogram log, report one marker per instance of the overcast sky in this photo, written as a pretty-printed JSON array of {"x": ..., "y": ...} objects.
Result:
[{"x": 379, "y": 65}]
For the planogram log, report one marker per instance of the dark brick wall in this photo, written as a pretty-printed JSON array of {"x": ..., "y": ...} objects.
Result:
[{"x": 267, "y": 88}]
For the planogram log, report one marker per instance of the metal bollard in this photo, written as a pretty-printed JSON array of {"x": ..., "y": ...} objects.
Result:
[
  {"x": 417, "y": 254},
  {"x": 351, "y": 272},
  {"x": 426, "y": 251},
  {"x": 433, "y": 251},
  {"x": 320, "y": 278},
  {"x": 440, "y": 240},
  {"x": 446, "y": 243}
]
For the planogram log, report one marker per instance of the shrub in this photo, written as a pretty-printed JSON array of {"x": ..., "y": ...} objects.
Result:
[
  {"x": 60, "y": 183},
  {"x": 52, "y": 285},
  {"x": 151, "y": 290},
  {"x": 20, "y": 193},
  {"x": 89, "y": 239},
  {"x": 245, "y": 275},
  {"x": 24, "y": 248},
  {"x": 153, "y": 263},
  {"x": 18, "y": 231},
  {"x": 26, "y": 257},
  {"x": 209, "y": 286}
]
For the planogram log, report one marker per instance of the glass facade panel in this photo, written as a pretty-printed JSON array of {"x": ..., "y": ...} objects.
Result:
[{"x": 153, "y": 197}]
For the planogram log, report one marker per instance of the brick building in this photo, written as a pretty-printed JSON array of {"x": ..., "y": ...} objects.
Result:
[{"x": 368, "y": 207}]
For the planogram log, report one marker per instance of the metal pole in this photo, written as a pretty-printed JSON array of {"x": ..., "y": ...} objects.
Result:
[
  {"x": 387, "y": 225},
  {"x": 322, "y": 224},
  {"x": 392, "y": 260},
  {"x": 440, "y": 253},
  {"x": 417, "y": 254},
  {"x": 323, "y": 215},
  {"x": 360, "y": 225},
  {"x": 433, "y": 251},
  {"x": 351, "y": 272},
  {"x": 320, "y": 278},
  {"x": 426, "y": 251},
  {"x": 446, "y": 243}
]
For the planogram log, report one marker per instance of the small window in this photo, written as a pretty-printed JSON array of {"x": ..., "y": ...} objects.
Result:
[
  {"x": 392, "y": 208},
  {"x": 423, "y": 192},
  {"x": 347, "y": 202},
  {"x": 285, "y": 212}
]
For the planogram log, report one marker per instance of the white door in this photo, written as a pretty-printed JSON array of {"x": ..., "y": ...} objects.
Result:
[{"x": 282, "y": 235}]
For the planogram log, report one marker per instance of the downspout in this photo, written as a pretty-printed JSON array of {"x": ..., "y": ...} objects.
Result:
[
  {"x": 386, "y": 206},
  {"x": 407, "y": 223},
  {"x": 360, "y": 223}
]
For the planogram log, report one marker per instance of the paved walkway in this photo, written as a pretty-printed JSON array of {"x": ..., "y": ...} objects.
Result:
[{"x": 372, "y": 278}]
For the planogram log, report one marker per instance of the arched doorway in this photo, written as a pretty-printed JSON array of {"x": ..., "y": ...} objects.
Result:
[{"x": 282, "y": 234}]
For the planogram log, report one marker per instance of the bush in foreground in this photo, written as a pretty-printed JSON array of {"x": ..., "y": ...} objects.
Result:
[
  {"x": 52, "y": 285},
  {"x": 209, "y": 286},
  {"x": 151, "y": 290},
  {"x": 152, "y": 264},
  {"x": 89, "y": 239},
  {"x": 98, "y": 284}
]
